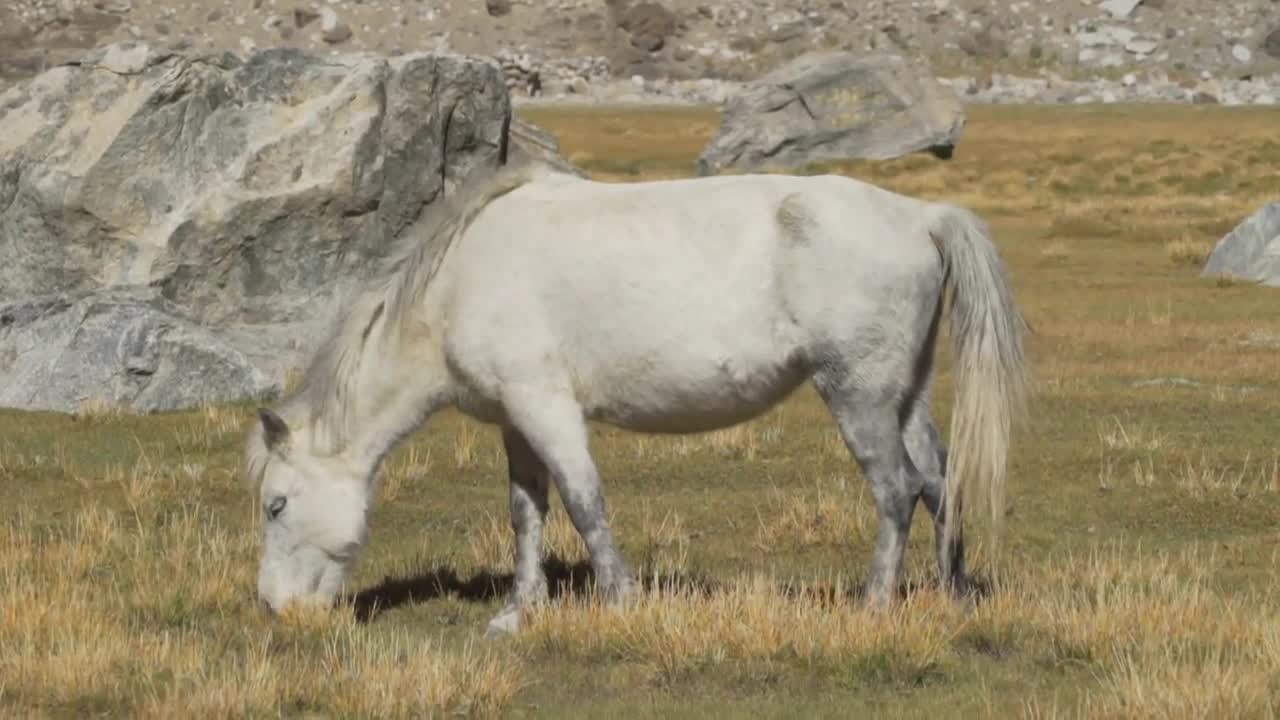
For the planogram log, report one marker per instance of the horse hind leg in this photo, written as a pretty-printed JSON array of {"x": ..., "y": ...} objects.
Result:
[
  {"x": 929, "y": 456},
  {"x": 528, "y": 501},
  {"x": 869, "y": 422}
]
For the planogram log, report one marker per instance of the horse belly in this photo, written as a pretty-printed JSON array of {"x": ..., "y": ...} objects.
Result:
[{"x": 680, "y": 397}]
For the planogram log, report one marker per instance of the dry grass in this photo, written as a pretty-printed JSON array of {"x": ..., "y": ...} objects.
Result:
[
  {"x": 1145, "y": 622},
  {"x": 836, "y": 512},
  {"x": 1188, "y": 252},
  {"x": 1139, "y": 581},
  {"x": 114, "y": 612}
]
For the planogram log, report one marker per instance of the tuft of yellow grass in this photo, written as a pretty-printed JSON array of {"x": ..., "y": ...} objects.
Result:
[
  {"x": 1056, "y": 251},
  {"x": 745, "y": 441},
  {"x": 1188, "y": 251},
  {"x": 412, "y": 463},
  {"x": 492, "y": 542},
  {"x": 832, "y": 512},
  {"x": 99, "y": 409},
  {"x": 1197, "y": 477}
]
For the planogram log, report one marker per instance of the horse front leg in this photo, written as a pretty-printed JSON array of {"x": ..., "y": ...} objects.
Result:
[
  {"x": 553, "y": 424},
  {"x": 529, "y": 485}
]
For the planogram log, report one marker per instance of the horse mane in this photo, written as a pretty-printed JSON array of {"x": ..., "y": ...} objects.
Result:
[{"x": 324, "y": 401}]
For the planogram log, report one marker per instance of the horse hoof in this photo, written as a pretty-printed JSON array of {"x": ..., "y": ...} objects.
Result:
[
  {"x": 503, "y": 624},
  {"x": 623, "y": 594}
]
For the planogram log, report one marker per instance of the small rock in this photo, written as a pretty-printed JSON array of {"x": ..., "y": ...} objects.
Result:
[
  {"x": 1120, "y": 8},
  {"x": 333, "y": 30},
  {"x": 339, "y": 34},
  {"x": 647, "y": 20},
  {"x": 498, "y": 8},
  {"x": 648, "y": 42},
  {"x": 1166, "y": 381},
  {"x": 304, "y": 16},
  {"x": 328, "y": 19},
  {"x": 1241, "y": 53},
  {"x": 1141, "y": 47},
  {"x": 1271, "y": 44},
  {"x": 1129, "y": 80},
  {"x": 116, "y": 7}
]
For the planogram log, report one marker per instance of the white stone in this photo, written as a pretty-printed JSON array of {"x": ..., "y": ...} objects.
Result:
[
  {"x": 1141, "y": 47},
  {"x": 1106, "y": 35},
  {"x": 1241, "y": 53},
  {"x": 1120, "y": 8},
  {"x": 328, "y": 19},
  {"x": 1129, "y": 80}
]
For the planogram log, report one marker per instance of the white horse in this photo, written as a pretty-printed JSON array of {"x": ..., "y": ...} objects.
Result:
[{"x": 541, "y": 301}]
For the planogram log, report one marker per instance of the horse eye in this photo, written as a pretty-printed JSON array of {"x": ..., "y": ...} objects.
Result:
[{"x": 275, "y": 507}]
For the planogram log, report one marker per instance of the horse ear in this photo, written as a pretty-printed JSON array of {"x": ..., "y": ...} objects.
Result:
[{"x": 275, "y": 433}]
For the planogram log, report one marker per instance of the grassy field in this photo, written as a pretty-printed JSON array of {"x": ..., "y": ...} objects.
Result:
[{"x": 1140, "y": 566}]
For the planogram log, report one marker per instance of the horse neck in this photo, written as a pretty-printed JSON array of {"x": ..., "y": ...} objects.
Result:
[
  {"x": 361, "y": 407},
  {"x": 396, "y": 394}
]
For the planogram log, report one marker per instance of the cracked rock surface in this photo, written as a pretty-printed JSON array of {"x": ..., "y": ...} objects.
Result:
[
  {"x": 834, "y": 106},
  {"x": 220, "y": 203}
]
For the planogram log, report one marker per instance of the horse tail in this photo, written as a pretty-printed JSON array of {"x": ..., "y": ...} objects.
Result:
[{"x": 992, "y": 379}]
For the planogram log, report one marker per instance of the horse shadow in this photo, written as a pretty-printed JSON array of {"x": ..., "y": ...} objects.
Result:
[
  {"x": 564, "y": 579},
  {"x": 577, "y": 579}
]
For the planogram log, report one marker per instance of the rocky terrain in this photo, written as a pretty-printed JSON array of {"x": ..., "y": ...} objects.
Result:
[{"x": 698, "y": 50}]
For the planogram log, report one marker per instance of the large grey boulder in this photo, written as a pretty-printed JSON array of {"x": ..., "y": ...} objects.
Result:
[
  {"x": 834, "y": 106},
  {"x": 236, "y": 201},
  {"x": 128, "y": 347},
  {"x": 1251, "y": 251},
  {"x": 240, "y": 189}
]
